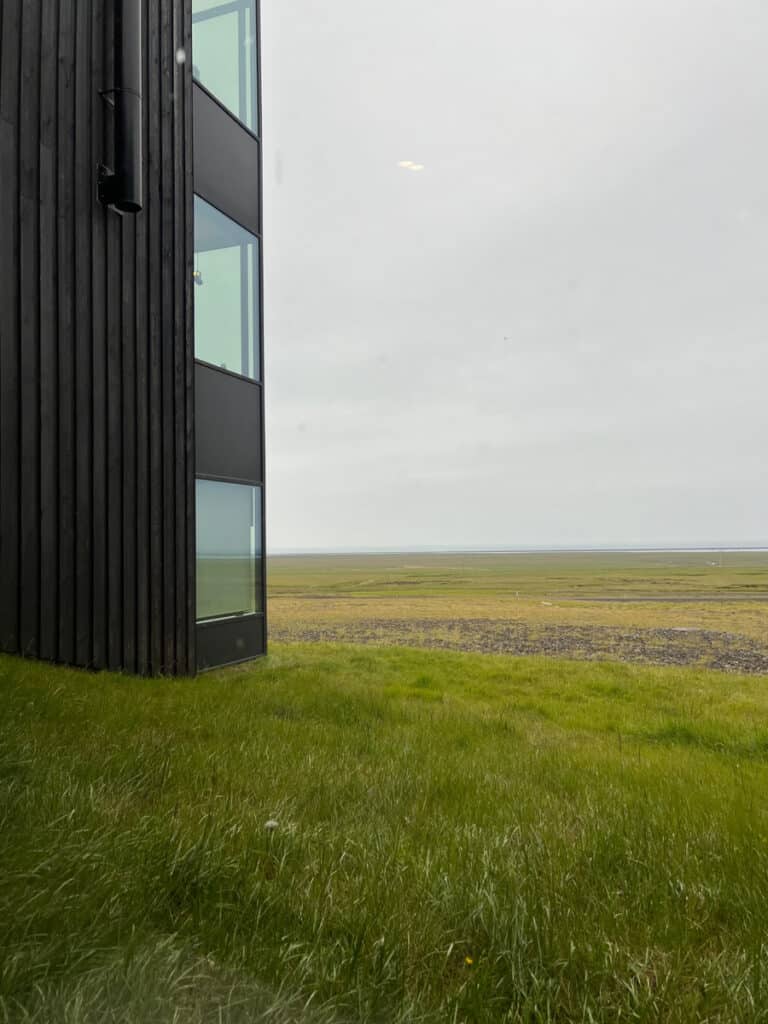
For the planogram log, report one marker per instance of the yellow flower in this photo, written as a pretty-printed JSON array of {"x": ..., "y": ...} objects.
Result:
[{"x": 468, "y": 961}]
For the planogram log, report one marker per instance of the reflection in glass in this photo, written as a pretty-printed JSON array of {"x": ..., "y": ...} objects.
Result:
[
  {"x": 228, "y": 549},
  {"x": 226, "y": 277},
  {"x": 224, "y": 54}
]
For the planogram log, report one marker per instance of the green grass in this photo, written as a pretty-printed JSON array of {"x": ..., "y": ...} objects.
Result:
[
  {"x": 592, "y": 837},
  {"x": 566, "y": 575}
]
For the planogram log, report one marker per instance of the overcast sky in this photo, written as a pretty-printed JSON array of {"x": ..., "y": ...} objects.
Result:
[{"x": 555, "y": 333}]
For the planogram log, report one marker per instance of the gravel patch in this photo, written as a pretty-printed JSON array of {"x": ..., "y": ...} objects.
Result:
[{"x": 726, "y": 652}]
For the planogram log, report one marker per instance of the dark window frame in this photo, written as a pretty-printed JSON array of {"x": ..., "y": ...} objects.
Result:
[
  {"x": 260, "y": 584},
  {"x": 257, "y": 310},
  {"x": 238, "y": 7}
]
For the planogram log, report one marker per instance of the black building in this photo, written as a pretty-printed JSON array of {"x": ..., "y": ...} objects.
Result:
[{"x": 131, "y": 366}]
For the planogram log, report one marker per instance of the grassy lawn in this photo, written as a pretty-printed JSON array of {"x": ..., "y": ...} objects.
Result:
[{"x": 459, "y": 838}]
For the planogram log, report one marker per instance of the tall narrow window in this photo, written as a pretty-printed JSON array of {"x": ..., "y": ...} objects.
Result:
[
  {"x": 224, "y": 54},
  {"x": 229, "y": 555},
  {"x": 227, "y": 307}
]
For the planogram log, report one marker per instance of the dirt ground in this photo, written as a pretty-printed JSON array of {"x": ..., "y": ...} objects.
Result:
[{"x": 729, "y": 652}]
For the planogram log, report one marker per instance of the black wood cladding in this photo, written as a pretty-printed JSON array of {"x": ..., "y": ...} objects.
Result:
[{"x": 96, "y": 360}]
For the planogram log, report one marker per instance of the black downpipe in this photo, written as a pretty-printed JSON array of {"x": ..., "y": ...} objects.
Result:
[{"x": 123, "y": 186}]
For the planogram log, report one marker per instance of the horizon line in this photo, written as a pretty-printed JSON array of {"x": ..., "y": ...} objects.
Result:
[{"x": 519, "y": 549}]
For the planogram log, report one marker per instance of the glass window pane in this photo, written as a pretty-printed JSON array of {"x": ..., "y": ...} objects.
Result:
[
  {"x": 229, "y": 562},
  {"x": 224, "y": 54},
  {"x": 227, "y": 306}
]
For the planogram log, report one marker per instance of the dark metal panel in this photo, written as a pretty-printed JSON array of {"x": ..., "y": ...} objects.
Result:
[
  {"x": 102, "y": 274},
  {"x": 29, "y": 263},
  {"x": 227, "y": 425},
  {"x": 154, "y": 409},
  {"x": 189, "y": 379},
  {"x": 168, "y": 261},
  {"x": 227, "y": 165},
  {"x": 110, "y": 284},
  {"x": 49, "y": 392},
  {"x": 115, "y": 539},
  {"x": 180, "y": 351},
  {"x": 82, "y": 367},
  {"x": 10, "y": 16},
  {"x": 97, "y": 375},
  {"x": 143, "y": 272},
  {"x": 227, "y": 641},
  {"x": 65, "y": 262},
  {"x": 127, "y": 512}
]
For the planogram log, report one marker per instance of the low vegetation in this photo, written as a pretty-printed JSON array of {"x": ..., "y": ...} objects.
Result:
[
  {"x": 702, "y": 608},
  {"x": 557, "y": 575},
  {"x": 342, "y": 834}
]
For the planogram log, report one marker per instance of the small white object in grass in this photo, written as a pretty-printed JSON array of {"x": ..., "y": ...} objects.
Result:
[
  {"x": 270, "y": 825},
  {"x": 547, "y": 603},
  {"x": 181, "y": 55}
]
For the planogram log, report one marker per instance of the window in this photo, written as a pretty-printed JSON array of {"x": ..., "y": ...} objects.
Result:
[
  {"x": 227, "y": 306},
  {"x": 229, "y": 555},
  {"x": 224, "y": 54}
]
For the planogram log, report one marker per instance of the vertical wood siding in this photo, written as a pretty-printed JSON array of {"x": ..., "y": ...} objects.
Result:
[{"x": 96, "y": 360}]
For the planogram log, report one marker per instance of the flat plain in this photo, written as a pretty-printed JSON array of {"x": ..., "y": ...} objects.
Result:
[
  {"x": 343, "y": 834},
  {"x": 372, "y": 833},
  {"x": 707, "y": 608}
]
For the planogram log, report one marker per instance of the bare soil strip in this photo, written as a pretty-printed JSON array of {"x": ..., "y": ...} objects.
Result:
[
  {"x": 670, "y": 599},
  {"x": 726, "y": 652}
]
